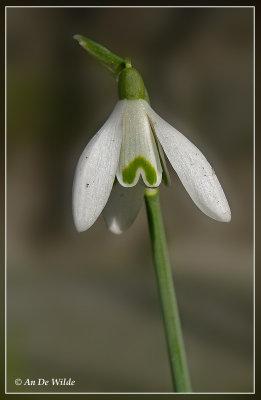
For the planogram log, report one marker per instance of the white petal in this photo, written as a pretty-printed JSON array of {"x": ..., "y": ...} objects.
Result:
[
  {"x": 96, "y": 169},
  {"x": 123, "y": 207},
  {"x": 139, "y": 154},
  {"x": 194, "y": 171},
  {"x": 165, "y": 172}
]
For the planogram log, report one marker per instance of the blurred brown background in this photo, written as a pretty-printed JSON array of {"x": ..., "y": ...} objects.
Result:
[{"x": 85, "y": 305}]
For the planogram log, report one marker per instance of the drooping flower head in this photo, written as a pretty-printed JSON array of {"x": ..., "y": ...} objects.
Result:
[{"x": 127, "y": 155}]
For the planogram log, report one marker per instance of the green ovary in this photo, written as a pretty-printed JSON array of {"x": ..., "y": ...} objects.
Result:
[{"x": 129, "y": 172}]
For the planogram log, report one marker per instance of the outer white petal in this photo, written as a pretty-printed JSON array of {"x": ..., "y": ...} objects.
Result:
[
  {"x": 123, "y": 207},
  {"x": 138, "y": 144},
  {"x": 194, "y": 171},
  {"x": 95, "y": 171}
]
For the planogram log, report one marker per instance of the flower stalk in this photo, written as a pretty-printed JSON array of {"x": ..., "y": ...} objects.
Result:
[{"x": 173, "y": 332}]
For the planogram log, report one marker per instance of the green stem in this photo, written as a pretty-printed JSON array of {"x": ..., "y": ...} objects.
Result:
[{"x": 176, "y": 350}]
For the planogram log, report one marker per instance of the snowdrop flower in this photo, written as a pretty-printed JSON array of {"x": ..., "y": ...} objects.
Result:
[{"x": 126, "y": 156}]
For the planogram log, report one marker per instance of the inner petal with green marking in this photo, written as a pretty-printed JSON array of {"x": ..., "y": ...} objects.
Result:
[
  {"x": 129, "y": 172},
  {"x": 139, "y": 155}
]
